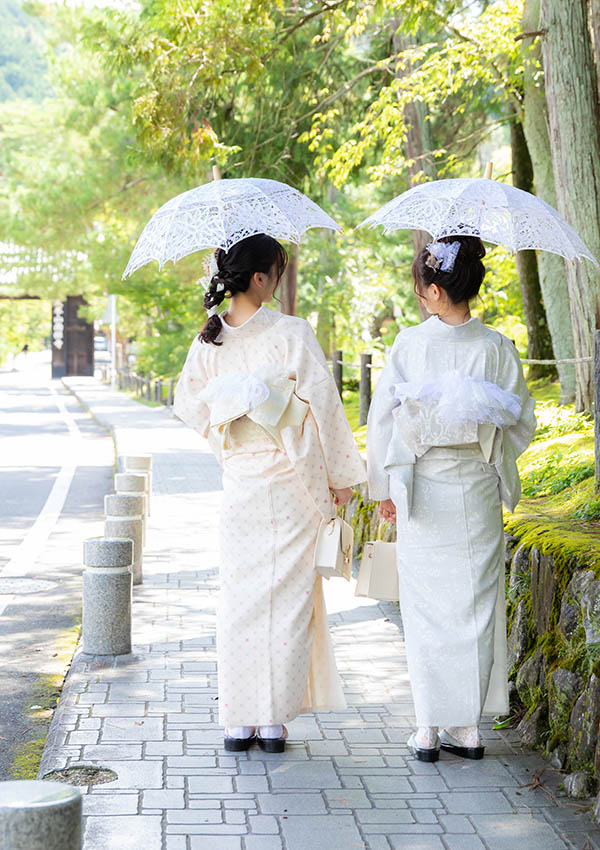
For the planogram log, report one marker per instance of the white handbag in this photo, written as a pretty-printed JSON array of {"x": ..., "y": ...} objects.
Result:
[
  {"x": 378, "y": 574},
  {"x": 333, "y": 552}
]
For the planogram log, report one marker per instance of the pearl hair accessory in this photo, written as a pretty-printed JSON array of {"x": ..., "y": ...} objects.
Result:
[{"x": 442, "y": 255}]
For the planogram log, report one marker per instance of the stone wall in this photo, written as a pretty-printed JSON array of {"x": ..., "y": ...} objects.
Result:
[{"x": 553, "y": 613}]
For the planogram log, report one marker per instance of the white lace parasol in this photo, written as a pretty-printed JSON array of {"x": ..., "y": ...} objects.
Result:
[
  {"x": 482, "y": 207},
  {"x": 221, "y": 213}
]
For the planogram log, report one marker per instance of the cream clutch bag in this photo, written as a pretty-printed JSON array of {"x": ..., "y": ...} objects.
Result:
[
  {"x": 378, "y": 574},
  {"x": 333, "y": 552}
]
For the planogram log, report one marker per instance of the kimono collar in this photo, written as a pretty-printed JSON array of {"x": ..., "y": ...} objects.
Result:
[
  {"x": 260, "y": 321},
  {"x": 468, "y": 330}
]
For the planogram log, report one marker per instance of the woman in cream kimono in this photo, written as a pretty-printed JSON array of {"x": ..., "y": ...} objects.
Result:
[
  {"x": 450, "y": 415},
  {"x": 256, "y": 383}
]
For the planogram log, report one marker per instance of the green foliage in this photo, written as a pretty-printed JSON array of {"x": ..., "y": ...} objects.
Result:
[
  {"x": 555, "y": 474},
  {"x": 22, "y": 63},
  {"x": 23, "y": 323}
]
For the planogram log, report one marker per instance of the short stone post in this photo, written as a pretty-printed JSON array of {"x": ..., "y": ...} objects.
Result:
[
  {"x": 148, "y": 397},
  {"x": 365, "y": 388},
  {"x": 171, "y": 393},
  {"x": 133, "y": 484},
  {"x": 125, "y": 519},
  {"x": 138, "y": 464},
  {"x": 37, "y": 815},
  {"x": 107, "y": 583}
]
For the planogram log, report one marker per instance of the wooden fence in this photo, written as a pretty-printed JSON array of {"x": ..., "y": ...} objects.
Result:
[{"x": 161, "y": 391}]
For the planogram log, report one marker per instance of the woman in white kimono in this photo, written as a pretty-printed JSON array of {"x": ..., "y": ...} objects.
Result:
[
  {"x": 256, "y": 383},
  {"x": 450, "y": 415}
]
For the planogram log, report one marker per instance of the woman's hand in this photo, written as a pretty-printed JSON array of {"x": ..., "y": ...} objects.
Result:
[
  {"x": 387, "y": 510},
  {"x": 343, "y": 496}
]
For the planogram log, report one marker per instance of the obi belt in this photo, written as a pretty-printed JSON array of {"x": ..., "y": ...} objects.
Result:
[
  {"x": 266, "y": 396},
  {"x": 453, "y": 410}
]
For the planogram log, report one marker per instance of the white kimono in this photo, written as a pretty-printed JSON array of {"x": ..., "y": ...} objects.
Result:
[
  {"x": 267, "y": 402},
  {"x": 450, "y": 415}
]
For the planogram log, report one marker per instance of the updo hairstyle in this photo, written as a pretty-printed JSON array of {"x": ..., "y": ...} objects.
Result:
[
  {"x": 235, "y": 268},
  {"x": 464, "y": 281}
]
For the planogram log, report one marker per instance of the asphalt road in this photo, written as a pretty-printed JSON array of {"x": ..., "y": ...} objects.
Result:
[{"x": 55, "y": 468}]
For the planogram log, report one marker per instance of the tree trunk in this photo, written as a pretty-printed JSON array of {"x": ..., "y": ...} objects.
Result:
[
  {"x": 289, "y": 288},
  {"x": 594, "y": 21},
  {"x": 551, "y": 267},
  {"x": 539, "y": 344},
  {"x": 573, "y": 114},
  {"x": 418, "y": 143}
]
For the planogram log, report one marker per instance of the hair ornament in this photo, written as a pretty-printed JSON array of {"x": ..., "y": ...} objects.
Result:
[
  {"x": 213, "y": 267},
  {"x": 212, "y": 311},
  {"x": 220, "y": 287},
  {"x": 442, "y": 255}
]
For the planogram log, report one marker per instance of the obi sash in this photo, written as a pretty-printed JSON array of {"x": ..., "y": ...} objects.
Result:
[
  {"x": 453, "y": 410},
  {"x": 266, "y": 396}
]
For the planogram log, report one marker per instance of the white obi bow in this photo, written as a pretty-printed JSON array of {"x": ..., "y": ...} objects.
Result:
[
  {"x": 266, "y": 396},
  {"x": 452, "y": 410}
]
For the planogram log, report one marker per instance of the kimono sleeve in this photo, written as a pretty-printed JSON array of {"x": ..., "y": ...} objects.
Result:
[
  {"x": 516, "y": 438},
  {"x": 384, "y": 449},
  {"x": 315, "y": 385},
  {"x": 187, "y": 405}
]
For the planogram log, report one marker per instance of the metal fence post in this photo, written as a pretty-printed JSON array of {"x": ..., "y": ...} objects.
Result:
[
  {"x": 338, "y": 370},
  {"x": 365, "y": 388}
]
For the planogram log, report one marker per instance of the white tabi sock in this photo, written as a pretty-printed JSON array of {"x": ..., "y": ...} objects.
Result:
[
  {"x": 270, "y": 731},
  {"x": 426, "y": 737},
  {"x": 466, "y": 736},
  {"x": 239, "y": 732}
]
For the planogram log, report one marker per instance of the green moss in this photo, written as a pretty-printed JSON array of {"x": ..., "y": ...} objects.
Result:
[{"x": 27, "y": 758}]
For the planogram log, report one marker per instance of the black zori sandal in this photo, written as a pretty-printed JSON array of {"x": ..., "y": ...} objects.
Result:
[
  {"x": 272, "y": 745},
  {"x": 428, "y": 754},
  {"x": 451, "y": 745},
  {"x": 238, "y": 745}
]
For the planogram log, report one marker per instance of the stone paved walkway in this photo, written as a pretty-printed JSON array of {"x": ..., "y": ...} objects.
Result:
[{"x": 346, "y": 781}]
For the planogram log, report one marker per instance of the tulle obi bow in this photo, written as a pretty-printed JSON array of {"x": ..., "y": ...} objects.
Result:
[
  {"x": 453, "y": 409},
  {"x": 267, "y": 396}
]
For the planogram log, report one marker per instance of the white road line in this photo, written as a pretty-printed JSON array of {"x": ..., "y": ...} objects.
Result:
[{"x": 32, "y": 544}]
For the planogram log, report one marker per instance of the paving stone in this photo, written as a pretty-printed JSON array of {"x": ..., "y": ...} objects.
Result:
[
  {"x": 364, "y": 736},
  {"x": 518, "y": 830},
  {"x": 119, "y": 709},
  {"x": 469, "y": 842},
  {"x": 428, "y": 783},
  {"x": 164, "y": 748},
  {"x": 387, "y": 816},
  {"x": 312, "y": 831},
  {"x": 416, "y": 842},
  {"x": 210, "y": 784},
  {"x": 259, "y": 842},
  {"x": 391, "y": 784},
  {"x": 222, "y": 842},
  {"x": 254, "y": 784},
  {"x": 136, "y": 775},
  {"x": 196, "y": 817},
  {"x": 456, "y": 823},
  {"x": 163, "y": 799},
  {"x": 292, "y": 804},
  {"x": 347, "y": 799},
  {"x": 122, "y": 831},
  {"x": 113, "y": 804},
  {"x": 327, "y": 748},
  {"x": 130, "y": 729},
  {"x": 471, "y": 802},
  {"x": 112, "y": 751},
  {"x": 263, "y": 824},
  {"x": 475, "y": 774},
  {"x": 310, "y": 774}
]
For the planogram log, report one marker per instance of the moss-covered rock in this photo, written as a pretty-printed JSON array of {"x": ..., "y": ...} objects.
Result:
[
  {"x": 564, "y": 686},
  {"x": 543, "y": 583},
  {"x": 583, "y": 725},
  {"x": 529, "y": 676},
  {"x": 518, "y": 636}
]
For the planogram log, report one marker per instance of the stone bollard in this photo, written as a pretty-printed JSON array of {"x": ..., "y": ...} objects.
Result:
[
  {"x": 133, "y": 484},
  {"x": 125, "y": 519},
  {"x": 37, "y": 815},
  {"x": 138, "y": 463},
  {"x": 107, "y": 583}
]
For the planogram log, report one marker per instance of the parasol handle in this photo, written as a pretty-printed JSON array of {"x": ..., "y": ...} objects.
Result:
[
  {"x": 216, "y": 172},
  {"x": 488, "y": 170}
]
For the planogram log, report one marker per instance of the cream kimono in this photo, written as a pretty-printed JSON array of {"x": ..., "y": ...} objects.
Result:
[
  {"x": 267, "y": 403},
  {"x": 450, "y": 415}
]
